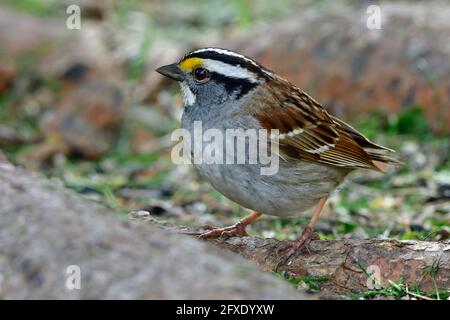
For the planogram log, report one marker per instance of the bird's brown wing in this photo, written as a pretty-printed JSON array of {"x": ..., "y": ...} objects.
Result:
[{"x": 308, "y": 132}]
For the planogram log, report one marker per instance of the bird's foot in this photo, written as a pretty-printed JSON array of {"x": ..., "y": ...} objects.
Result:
[
  {"x": 237, "y": 229},
  {"x": 288, "y": 250}
]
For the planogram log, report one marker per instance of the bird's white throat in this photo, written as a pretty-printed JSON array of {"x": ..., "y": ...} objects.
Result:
[{"x": 188, "y": 95}]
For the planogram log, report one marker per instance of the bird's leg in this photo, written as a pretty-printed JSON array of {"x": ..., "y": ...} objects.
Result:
[
  {"x": 291, "y": 248},
  {"x": 234, "y": 230}
]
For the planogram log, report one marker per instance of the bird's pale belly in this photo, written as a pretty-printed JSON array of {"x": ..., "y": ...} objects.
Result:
[{"x": 295, "y": 188}]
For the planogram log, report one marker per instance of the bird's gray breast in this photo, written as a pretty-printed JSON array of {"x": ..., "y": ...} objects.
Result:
[{"x": 294, "y": 188}]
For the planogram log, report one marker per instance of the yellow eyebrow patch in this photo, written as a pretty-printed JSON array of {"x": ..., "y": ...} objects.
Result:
[{"x": 190, "y": 63}]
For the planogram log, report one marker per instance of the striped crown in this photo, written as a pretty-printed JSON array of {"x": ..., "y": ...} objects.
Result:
[{"x": 238, "y": 73}]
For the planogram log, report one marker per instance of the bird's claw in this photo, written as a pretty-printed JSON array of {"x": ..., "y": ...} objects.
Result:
[
  {"x": 214, "y": 232},
  {"x": 289, "y": 250}
]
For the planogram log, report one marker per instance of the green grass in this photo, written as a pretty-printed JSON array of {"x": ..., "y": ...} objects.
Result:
[
  {"x": 137, "y": 64},
  {"x": 35, "y": 7},
  {"x": 409, "y": 122},
  {"x": 313, "y": 284},
  {"x": 243, "y": 12},
  {"x": 399, "y": 290}
]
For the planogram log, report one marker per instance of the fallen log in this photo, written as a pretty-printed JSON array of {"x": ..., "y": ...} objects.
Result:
[
  {"x": 349, "y": 266},
  {"x": 44, "y": 229}
]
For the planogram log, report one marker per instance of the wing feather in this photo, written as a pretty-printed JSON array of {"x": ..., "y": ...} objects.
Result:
[{"x": 308, "y": 132}]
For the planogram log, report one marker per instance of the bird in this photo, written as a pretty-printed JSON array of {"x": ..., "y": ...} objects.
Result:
[{"x": 223, "y": 90}]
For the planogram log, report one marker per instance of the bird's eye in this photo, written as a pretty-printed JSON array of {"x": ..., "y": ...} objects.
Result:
[{"x": 201, "y": 74}]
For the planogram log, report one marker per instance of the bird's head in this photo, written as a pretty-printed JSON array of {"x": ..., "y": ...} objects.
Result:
[{"x": 214, "y": 75}]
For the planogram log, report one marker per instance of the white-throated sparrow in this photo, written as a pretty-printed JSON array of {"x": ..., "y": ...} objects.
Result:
[{"x": 223, "y": 90}]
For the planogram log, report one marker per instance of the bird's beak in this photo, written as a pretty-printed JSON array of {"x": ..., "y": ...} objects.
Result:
[{"x": 171, "y": 71}]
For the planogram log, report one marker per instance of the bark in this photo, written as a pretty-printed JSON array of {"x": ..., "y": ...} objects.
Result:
[{"x": 344, "y": 262}]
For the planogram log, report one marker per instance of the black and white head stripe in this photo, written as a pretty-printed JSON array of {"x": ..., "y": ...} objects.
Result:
[{"x": 230, "y": 64}]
